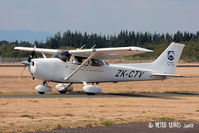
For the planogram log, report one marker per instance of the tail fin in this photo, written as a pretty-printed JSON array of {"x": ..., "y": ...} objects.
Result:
[{"x": 166, "y": 63}]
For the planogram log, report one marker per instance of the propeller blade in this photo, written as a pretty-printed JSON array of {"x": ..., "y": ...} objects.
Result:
[
  {"x": 32, "y": 54},
  {"x": 22, "y": 72},
  {"x": 26, "y": 63}
]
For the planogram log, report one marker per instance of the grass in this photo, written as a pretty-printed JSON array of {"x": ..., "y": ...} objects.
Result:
[
  {"x": 121, "y": 119},
  {"x": 163, "y": 119},
  {"x": 4, "y": 103},
  {"x": 70, "y": 115},
  {"x": 11, "y": 124},
  {"x": 107, "y": 123},
  {"x": 182, "y": 92},
  {"x": 58, "y": 126},
  {"x": 166, "y": 119},
  {"x": 101, "y": 119},
  {"x": 135, "y": 58},
  {"x": 28, "y": 116}
]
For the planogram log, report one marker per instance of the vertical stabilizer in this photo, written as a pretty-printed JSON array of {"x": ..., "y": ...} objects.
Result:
[{"x": 166, "y": 63}]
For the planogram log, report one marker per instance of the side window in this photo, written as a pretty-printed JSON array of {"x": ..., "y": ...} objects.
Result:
[
  {"x": 93, "y": 62},
  {"x": 87, "y": 63},
  {"x": 79, "y": 60},
  {"x": 96, "y": 62},
  {"x": 76, "y": 60}
]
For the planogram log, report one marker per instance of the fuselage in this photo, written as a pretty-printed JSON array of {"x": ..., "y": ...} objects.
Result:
[{"x": 56, "y": 70}]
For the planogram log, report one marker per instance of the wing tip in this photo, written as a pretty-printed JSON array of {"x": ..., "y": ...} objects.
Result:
[{"x": 16, "y": 47}]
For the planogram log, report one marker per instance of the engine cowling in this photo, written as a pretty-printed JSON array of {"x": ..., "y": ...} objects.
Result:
[
  {"x": 43, "y": 88},
  {"x": 64, "y": 87},
  {"x": 91, "y": 89}
]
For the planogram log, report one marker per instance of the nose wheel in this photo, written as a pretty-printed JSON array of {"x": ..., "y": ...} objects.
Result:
[
  {"x": 41, "y": 92},
  {"x": 42, "y": 89}
]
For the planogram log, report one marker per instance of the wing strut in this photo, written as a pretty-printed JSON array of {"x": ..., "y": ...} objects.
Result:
[{"x": 67, "y": 78}]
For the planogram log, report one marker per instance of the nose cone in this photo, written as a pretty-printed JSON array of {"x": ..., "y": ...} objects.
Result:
[{"x": 33, "y": 67}]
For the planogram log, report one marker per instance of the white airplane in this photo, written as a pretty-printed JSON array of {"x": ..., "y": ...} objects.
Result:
[{"x": 67, "y": 67}]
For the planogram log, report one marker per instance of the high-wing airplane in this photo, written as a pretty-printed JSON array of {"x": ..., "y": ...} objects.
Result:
[{"x": 67, "y": 67}]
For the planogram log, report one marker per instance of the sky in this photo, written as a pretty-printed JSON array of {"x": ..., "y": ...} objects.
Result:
[{"x": 100, "y": 16}]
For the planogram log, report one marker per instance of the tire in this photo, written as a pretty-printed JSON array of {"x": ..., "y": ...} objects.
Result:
[
  {"x": 41, "y": 92},
  {"x": 89, "y": 93},
  {"x": 62, "y": 92}
]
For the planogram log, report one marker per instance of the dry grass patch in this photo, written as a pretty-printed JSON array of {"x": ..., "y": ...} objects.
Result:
[
  {"x": 48, "y": 113},
  {"x": 28, "y": 116}
]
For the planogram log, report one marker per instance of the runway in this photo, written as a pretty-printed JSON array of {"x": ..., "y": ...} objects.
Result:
[
  {"x": 101, "y": 95},
  {"x": 137, "y": 127}
]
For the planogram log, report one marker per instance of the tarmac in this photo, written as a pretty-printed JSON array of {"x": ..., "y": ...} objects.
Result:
[
  {"x": 82, "y": 94},
  {"x": 139, "y": 127}
]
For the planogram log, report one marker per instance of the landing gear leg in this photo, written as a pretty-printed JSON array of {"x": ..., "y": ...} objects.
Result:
[
  {"x": 45, "y": 83},
  {"x": 66, "y": 90}
]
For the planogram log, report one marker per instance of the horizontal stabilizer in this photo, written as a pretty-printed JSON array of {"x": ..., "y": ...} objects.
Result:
[{"x": 167, "y": 75}]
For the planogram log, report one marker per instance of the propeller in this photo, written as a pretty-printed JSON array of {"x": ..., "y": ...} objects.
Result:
[
  {"x": 27, "y": 63},
  {"x": 32, "y": 54}
]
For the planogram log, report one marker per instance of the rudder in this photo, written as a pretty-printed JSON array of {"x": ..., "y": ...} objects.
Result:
[{"x": 166, "y": 63}]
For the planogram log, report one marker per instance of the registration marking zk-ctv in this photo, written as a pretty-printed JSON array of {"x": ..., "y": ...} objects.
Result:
[{"x": 129, "y": 74}]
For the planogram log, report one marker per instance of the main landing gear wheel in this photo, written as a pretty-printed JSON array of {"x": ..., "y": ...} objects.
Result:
[
  {"x": 62, "y": 92},
  {"x": 41, "y": 92},
  {"x": 89, "y": 93}
]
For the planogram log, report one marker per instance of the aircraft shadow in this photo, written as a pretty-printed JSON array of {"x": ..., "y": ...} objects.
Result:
[
  {"x": 143, "y": 95},
  {"x": 185, "y": 93},
  {"x": 115, "y": 95}
]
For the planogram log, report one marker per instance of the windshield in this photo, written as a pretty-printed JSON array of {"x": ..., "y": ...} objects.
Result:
[{"x": 62, "y": 55}]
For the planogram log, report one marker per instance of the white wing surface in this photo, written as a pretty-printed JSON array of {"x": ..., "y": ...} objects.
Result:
[
  {"x": 42, "y": 50},
  {"x": 109, "y": 53},
  {"x": 100, "y": 53}
]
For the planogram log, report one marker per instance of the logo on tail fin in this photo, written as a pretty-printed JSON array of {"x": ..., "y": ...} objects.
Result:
[{"x": 171, "y": 55}]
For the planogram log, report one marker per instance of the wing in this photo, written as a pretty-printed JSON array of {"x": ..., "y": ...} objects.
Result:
[
  {"x": 109, "y": 53},
  {"x": 42, "y": 50},
  {"x": 100, "y": 53}
]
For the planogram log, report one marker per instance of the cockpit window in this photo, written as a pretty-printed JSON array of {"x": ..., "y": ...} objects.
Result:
[
  {"x": 93, "y": 62},
  {"x": 62, "y": 55}
]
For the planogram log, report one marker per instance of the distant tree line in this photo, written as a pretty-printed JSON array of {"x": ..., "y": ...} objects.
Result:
[
  {"x": 68, "y": 39},
  {"x": 124, "y": 38}
]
